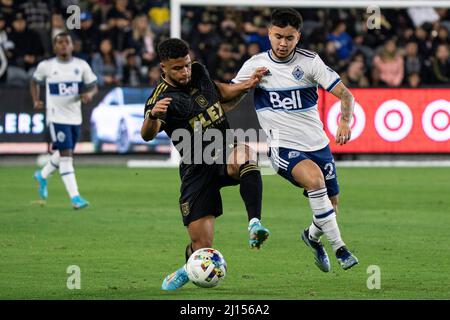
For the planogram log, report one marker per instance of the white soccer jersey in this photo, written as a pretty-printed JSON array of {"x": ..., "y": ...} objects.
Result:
[
  {"x": 64, "y": 82},
  {"x": 286, "y": 98}
]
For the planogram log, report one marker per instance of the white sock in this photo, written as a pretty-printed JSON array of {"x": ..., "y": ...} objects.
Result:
[
  {"x": 68, "y": 176},
  {"x": 252, "y": 221},
  {"x": 314, "y": 232},
  {"x": 51, "y": 166},
  {"x": 324, "y": 217}
]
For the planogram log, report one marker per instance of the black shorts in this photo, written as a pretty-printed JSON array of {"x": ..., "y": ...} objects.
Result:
[{"x": 200, "y": 191}]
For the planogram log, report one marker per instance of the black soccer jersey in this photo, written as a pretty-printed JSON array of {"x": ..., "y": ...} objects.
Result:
[{"x": 192, "y": 108}]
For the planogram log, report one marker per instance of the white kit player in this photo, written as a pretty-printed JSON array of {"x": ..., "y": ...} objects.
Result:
[
  {"x": 69, "y": 82},
  {"x": 286, "y": 105}
]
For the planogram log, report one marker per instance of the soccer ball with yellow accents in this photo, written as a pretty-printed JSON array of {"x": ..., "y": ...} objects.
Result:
[{"x": 206, "y": 267}]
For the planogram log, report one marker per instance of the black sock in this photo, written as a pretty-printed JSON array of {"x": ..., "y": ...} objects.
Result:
[
  {"x": 251, "y": 189},
  {"x": 189, "y": 251}
]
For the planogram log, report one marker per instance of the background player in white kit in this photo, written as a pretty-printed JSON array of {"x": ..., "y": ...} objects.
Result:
[
  {"x": 286, "y": 105},
  {"x": 69, "y": 81}
]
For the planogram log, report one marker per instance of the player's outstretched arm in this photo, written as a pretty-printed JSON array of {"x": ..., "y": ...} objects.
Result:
[
  {"x": 344, "y": 131},
  {"x": 152, "y": 124},
  {"x": 232, "y": 94}
]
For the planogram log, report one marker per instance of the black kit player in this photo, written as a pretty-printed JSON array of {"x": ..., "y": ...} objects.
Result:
[{"x": 187, "y": 104}]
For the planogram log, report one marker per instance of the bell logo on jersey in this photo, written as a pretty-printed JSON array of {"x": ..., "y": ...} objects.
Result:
[
  {"x": 64, "y": 89},
  {"x": 289, "y": 103}
]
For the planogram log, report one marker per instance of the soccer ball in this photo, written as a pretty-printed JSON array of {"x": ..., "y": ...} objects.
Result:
[{"x": 206, "y": 267}]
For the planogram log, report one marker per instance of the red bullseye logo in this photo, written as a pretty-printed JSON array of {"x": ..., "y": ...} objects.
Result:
[
  {"x": 393, "y": 120},
  {"x": 436, "y": 120},
  {"x": 357, "y": 124}
]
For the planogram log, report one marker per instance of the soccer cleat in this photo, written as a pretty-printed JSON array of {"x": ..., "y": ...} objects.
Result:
[
  {"x": 346, "y": 258},
  {"x": 175, "y": 280},
  {"x": 320, "y": 255},
  {"x": 78, "y": 202},
  {"x": 257, "y": 233},
  {"x": 43, "y": 192}
]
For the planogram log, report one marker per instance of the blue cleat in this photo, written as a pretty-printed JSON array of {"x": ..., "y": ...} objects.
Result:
[
  {"x": 257, "y": 233},
  {"x": 43, "y": 192},
  {"x": 78, "y": 202},
  {"x": 320, "y": 255},
  {"x": 346, "y": 258},
  {"x": 175, "y": 280}
]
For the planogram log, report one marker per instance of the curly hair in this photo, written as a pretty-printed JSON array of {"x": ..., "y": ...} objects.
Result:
[{"x": 172, "y": 48}]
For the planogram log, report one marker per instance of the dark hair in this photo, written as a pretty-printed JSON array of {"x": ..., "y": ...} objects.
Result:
[
  {"x": 61, "y": 34},
  {"x": 286, "y": 17},
  {"x": 172, "y": 48}
]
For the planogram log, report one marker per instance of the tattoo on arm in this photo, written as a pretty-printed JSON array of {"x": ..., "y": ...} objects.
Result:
[{"x": 347, "y": 102}]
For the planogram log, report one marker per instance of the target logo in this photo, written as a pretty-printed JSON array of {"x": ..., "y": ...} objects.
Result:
[
  {"x": 393, "y": 120},
  {"x": 357, "y": 124},
  {"x": 436, "y": 120}
]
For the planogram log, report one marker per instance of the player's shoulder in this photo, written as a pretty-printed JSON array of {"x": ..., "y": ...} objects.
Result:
[
  {"x": 258, "y": 58},
  {"x": 306, "y": 54},
  {"x": 80, "y": 62},
  {"x": 162, "y": 90}
]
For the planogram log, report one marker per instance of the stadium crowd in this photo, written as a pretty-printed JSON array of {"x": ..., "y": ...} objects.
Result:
[{"x": 118, "y": 38}]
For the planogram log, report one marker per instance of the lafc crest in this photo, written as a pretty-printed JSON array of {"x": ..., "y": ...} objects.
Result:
[
  {"x": 185, "y": 209},
  {"x": 201, "y": 100}
]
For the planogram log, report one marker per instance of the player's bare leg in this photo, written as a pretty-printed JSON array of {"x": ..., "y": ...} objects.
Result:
[
  {"x": 308, "y": 174},
  {"x": 242, "y": 165},
  {"x": 201, "y": 232}
]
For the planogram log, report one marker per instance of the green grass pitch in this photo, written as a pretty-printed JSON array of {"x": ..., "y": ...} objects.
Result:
[{"x": 132, "y": 236}]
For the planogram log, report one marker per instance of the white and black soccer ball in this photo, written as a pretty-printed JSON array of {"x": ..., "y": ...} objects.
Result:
[{"x": 206, "y": 267}]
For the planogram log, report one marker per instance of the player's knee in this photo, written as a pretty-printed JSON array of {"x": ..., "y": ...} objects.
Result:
[
  {"x": 315, "y": 183},
  {"x": 202, "y": 243}
]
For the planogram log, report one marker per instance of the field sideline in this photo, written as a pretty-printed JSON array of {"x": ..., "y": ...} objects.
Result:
[{"x": 132, "y": 236}]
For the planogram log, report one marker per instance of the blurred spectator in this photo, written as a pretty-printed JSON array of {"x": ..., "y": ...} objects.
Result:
[
  {"x": 252, "y": 49},
  {"x": 37, "y": 15},
  {"x": 413, "y": 80},
  {"x": 413, "y": 63},
  {"x": 440, "y": 66},
  {"x": 58, "y": 24},
  {"x": 354, "y": 76},
  {"x": 225, "y": 64},
  {"x": 119, "y": 32},
  {"x": 387, "y": 66},
  {"x": 230, "y": 34},
  {"x": 79, "y": 52},
  {"x": 421, "y": 37},
  {"x": 132, "y": 71},
  {"x": 204, "y": 39},
  {"x": 442, "y": 37},
  {"x": 260, "y": 34},
  {"x": 88, "y": 34},
  {"x": 141, "y": 39},
  {"x": 153, "y": 75},
  {"x": 342, "y": 40},
  {"x": 8, "y": 9},
  {"x": 107, "y": 65},
  {"x": 25, "y": 53},
  {"x": 3, "y": 46},
  {"x": 331, "y": 58}
]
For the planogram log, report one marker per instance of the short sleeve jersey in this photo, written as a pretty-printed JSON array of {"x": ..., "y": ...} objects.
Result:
[
  {"x": 193, "y": 111},
  {"x": 64, "y": 82}
]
